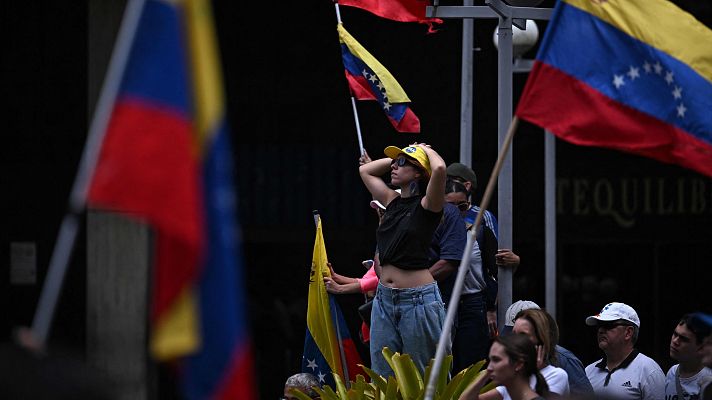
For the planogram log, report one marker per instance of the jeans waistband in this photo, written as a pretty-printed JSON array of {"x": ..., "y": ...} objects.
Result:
[{"x": 418, "y": 294}]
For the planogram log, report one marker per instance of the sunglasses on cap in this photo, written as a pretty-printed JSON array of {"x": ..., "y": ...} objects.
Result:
[{"x": 462, "y": 206}]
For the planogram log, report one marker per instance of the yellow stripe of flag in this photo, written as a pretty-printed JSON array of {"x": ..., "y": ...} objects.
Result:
[
  {"x": 660, "y": 24},
  {"x": 395, "y": 92},
  {"x": 208, "y": 92},
  {"x": 319, "y": 319}
]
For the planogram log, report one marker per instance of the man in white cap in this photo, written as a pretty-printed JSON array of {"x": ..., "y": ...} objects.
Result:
[{"x": 623, "y": 372}]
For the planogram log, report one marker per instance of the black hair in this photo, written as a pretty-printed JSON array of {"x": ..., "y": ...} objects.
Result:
[
  {"x": 696, "y": 326},
  {"x": 453, "y": 186},
  {"x": 518, "y": 347}
]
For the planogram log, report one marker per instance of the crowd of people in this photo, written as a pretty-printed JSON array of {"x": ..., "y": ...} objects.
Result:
[{"x": 425, "y": 211}]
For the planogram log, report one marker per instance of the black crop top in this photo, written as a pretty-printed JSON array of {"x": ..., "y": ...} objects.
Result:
[{"x": 406, "y": 232}]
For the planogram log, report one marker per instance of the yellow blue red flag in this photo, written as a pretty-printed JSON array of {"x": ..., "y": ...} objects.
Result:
[
  {"x": 369, "y": 80},
  {"x": 328, "y": 346},
  {"x": 632, "y": 75},
  {"x": 166, "y": 159}
]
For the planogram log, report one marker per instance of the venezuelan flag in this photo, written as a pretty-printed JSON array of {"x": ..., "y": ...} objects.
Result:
[
  {"x": 369, "y": 80},
  {"x": 327, "y": 334},
  {"x": 632, "y": 75},
  {"x": 166, "y": 160},
  {"x": 397, "y": 10}
]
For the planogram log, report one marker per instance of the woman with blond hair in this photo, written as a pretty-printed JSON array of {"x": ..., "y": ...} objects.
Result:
[{"x": 535, "y": 324}]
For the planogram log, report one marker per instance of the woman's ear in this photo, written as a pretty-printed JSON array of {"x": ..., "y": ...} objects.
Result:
[{"x": 518, "y": 366}]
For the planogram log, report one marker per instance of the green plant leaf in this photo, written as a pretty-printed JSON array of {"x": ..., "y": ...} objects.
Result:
[
  {"x": 340, "y": 387},
  {"x": 326, "y": 393},
  {"x": 376, "y": 379},
  {"x": 391, "y": 392},
  {"x": 463, "y": 379},
  {"x": 299, "y": 394},
  {"x": 409, "y": 380},
  {"x": 388, "y": 355}
]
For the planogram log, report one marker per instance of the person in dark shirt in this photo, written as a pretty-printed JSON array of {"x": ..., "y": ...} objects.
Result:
[{"x": 408, "y": 311}]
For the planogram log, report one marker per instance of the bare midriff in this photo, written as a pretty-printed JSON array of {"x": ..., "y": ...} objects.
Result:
[{"x": 395, "y": 277}]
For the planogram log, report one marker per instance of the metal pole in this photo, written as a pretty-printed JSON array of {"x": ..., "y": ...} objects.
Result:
[
  {"x": 466, "y": 88},
  {"x": 361, "y": 149},
  {"x": 504, "y": 186},
  {"x": 465, "y": 263},
  {"x": 77, "y": 199},
  {"x": 550, "y": 220}
]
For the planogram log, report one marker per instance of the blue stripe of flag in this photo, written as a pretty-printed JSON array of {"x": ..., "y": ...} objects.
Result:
[
  {"x": 609, "y": 53},
  {"x": 221, "y": 296},
  {"x": 158, "y": 51},
  {"x": 356, "y": 67}
]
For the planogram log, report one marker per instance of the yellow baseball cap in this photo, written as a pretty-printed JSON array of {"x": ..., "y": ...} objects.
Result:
[{"x": 415, "y": 153}]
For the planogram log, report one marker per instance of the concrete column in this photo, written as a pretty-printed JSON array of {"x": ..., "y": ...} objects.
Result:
[{"x": 118, "y": 261}]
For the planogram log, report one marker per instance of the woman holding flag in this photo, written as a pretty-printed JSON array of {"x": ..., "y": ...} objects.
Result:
[{"x": 408, "y": 312}]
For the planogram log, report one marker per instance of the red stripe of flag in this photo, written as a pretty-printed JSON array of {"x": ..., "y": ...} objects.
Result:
[{"x": 593, "y": 119}]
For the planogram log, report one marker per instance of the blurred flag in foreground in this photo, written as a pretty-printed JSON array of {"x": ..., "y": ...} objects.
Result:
[
  {"x": 632, "y": 75},
  {"x": 369, "y": 80},
  {"x": 328, "y": 344},
  {"x": 166, "y": 160},
  {"x": 397, "y": 10}
]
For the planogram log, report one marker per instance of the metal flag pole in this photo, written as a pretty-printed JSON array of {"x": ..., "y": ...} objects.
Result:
[
  {"x": 77, "y": 200},
  {"x": 342, "y": 353},
  {"x": 361, "y": 149},
  {"x": 550, "y": 220},
  {"x": 465, "y": 262},
  {"x": 466, "y": 88}
]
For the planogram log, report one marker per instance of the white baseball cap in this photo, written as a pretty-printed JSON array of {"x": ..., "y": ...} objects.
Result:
[
  {"x": 614, "y": 312},
  {"x": 515, "y": 308}
]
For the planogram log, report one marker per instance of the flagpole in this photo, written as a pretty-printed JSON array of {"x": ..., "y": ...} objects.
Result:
[
  {"x": 77, "y": 200},
  {"x": 342, "y": 354},
  {"x": 361, "y": 150},
  {"x": 465, "y": 262}
]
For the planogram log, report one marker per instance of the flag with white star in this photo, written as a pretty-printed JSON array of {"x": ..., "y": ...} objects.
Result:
[
  {"x": 632, "y": 75},
  {"x": 328, "y": 346},
  {"x": 369, "y": 80}
]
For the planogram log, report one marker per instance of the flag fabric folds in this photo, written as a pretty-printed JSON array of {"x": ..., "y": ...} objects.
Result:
[
  {"x": 397, "y": 10},
  {"x": 166, "y": 160},
  {"x": 327, "y": 334},
  {"x": 369, "y": 80},
  {"x": 632, "y": 75}
]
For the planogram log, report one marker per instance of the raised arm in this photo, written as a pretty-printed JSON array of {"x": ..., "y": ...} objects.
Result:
[
  {"x": 371, "y": 174},
  {"x": 435, "y": 193}
]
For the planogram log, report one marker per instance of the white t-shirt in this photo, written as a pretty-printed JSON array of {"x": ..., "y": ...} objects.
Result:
[
  {"x": 690, "y": 385},
  {"x": 556, "y": 378},
  {"x": 638, "y": 377}
]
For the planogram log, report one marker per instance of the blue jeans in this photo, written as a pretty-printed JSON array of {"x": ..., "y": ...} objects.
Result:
[
  {"x": 472, "y": 342},
  {"x": 408, "y": 321}
]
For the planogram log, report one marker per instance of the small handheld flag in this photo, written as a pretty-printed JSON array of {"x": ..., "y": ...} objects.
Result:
[{"x": 369, "y": 80}]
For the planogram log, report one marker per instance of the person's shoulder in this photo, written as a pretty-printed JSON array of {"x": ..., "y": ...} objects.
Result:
[
  {"x": 450, "y": 211},
  {"x": 566, "y": 353},
  {"x": 646, "y": 362},
  {"x": 556, "y": 371},
  {"x": 593, "y": 367},
  {"x": 671, "y": 371}
]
